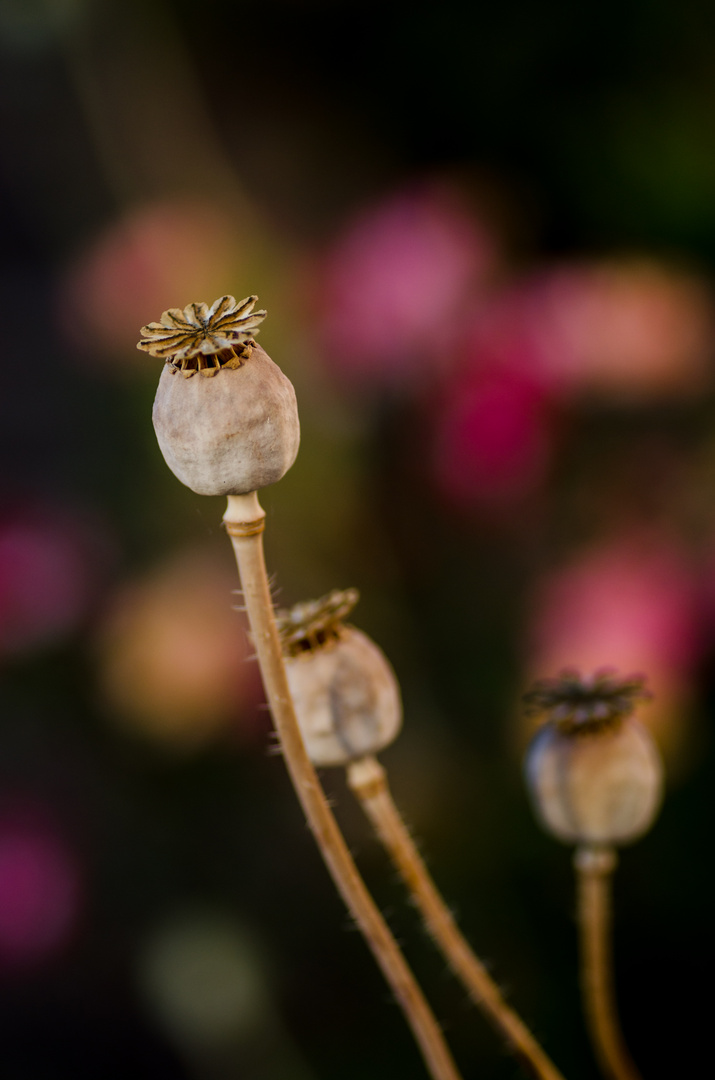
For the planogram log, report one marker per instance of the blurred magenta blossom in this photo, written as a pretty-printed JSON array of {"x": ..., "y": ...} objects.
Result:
[
  {"x": 628, "y": 330},
  {"x": 492, "y": 442},
  {"x": 629, "y": 603},
  {"x": 395, "y": 281},
  {"x": 52, "y": 561},
  {"x": 40, "y": 888}
]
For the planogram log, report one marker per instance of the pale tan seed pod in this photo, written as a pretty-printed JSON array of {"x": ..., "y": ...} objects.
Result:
[
  {"x": 344, "y": 690},
  {"x": 225, "y": 416},
  {"x": 593, "y": 772}
]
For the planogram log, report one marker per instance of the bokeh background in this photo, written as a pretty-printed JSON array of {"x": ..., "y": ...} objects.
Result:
[{"x": 485, "y": 237}]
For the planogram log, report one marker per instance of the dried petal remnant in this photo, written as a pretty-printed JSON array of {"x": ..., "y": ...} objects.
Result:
[
  {"x": 185, "y": 338},
  {"x": 575, "y": 702},
  {"x": 315, "y": 623}
]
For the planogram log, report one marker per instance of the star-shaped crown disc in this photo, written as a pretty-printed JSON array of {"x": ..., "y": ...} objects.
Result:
[{"x": 200, "y": 330}]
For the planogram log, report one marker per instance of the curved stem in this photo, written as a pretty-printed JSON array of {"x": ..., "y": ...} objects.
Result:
[
  {"x": 594, "y": 869},
  {"x": 368, "y": 780},
  {"x": 244, "y": 522}
]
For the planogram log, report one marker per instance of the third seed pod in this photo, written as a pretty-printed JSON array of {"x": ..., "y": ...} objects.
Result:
[{"x": 593, "y": 771}]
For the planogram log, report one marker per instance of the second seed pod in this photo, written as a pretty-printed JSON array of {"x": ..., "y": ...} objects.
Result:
[{"x": 344, "y": 690}]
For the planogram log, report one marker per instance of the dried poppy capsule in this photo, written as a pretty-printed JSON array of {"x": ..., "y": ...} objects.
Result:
[
  {"x": 344, "y": 691},
  {"x": 593, "y": 772},
  {"x": 233, "y": 429}
]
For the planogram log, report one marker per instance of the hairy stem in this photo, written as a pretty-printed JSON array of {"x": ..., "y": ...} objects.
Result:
[
  {"x": 594, "y": 872},
  {"x": 244, "y": 521},
  {"x": 368, "y": 780}
]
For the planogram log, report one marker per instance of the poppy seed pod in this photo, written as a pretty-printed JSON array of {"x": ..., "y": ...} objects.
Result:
[
  {"x": 345, "y": 693},
  {"x": 593, "y": 772},
  {"x": 225, "y": 415}
]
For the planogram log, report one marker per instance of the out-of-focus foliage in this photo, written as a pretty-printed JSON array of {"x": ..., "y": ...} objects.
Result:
[{"x": 485, "y": 238}]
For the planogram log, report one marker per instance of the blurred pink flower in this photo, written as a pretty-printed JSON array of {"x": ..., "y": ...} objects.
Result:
[
  {"x": 40, "y": 890},
  {"x": 395, "y": 278},
  {"x": 620, "y": 330},
  {"x": 51, "y": 563},
  {"x": 630, "y": 329},
  {"x": 629, "y": 603},
  {"x": 156, "y": 257},
  {"x": 491, "y": 439}
]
